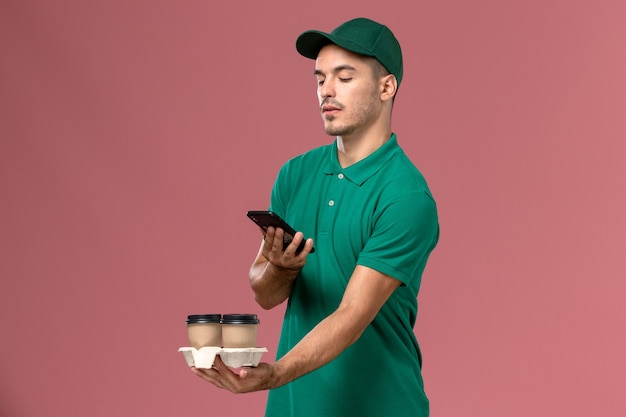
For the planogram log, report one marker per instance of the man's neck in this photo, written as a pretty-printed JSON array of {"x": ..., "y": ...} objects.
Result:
[{"x": 352, "y": 149}]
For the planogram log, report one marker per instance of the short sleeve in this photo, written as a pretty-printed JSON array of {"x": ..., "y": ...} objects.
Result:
[
  {"x": 280, "y": 192},
  {"x": 405, "y": 232}
]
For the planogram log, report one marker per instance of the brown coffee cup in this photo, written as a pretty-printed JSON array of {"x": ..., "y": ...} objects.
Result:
[
  {"x": 204, "y": 330},
  {"x": 239, "y": 330}
]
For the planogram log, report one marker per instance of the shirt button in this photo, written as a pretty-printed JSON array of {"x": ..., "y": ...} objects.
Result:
[
  {"x": 331, "y": 203},
  {"x": 340, "y": 176}
]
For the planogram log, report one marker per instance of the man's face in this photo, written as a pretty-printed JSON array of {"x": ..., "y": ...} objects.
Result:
[{"x": 348, "y": 94}]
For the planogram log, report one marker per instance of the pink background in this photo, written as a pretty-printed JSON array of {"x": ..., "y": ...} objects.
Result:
[{"x": 136, "y": 134}]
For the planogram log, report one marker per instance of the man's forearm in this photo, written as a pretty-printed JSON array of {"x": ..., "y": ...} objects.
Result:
[
  {"x": 323, "y": 344},
  {"x": 271, "y": 285},
  {"x": 367, "y": 291}
]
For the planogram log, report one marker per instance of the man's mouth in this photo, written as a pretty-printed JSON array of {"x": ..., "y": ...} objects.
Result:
[{"x": 330, "y": 109}]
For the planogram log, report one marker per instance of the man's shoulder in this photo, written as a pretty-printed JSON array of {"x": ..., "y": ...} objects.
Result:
[
  {"x": 312, "y": 156},
  {"x": 401, "y": 178},
  {"x": 296, "y": 168},
  {"x": 318, "y": 152}
]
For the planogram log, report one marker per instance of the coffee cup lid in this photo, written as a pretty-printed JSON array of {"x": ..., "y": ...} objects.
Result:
[
  {"x": 240, "y": 319},
  {"x": 203, "y": 318}
]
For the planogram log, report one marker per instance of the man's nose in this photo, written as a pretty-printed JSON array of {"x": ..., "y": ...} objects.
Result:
[{"x": 327, "y": 89}]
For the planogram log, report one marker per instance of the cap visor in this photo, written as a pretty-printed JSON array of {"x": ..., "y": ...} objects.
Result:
[{"x": 311, "y": 42}]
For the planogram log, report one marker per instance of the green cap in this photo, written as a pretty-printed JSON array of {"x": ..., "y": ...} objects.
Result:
[{"x": 362, "y": 36}]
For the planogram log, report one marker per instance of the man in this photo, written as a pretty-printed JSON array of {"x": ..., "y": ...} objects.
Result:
[{"x": 347, "y": 346}]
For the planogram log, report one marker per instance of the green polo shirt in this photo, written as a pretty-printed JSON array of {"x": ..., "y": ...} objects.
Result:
[{"x": 378, "y": 213}]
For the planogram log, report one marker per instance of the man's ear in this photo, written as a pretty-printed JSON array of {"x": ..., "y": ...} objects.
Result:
[{"x": 389, "y": 87}]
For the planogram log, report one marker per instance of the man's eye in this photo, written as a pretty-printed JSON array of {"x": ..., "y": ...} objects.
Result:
[
  {"x": 345, "y": 80},
  {"x": 320, "y": 82}
]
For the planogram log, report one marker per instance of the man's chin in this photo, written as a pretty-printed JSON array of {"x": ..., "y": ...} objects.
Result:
[{"x": 334, "y": 130}]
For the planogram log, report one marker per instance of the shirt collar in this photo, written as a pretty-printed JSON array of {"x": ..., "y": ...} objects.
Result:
[{"x": 361, "y": 171}]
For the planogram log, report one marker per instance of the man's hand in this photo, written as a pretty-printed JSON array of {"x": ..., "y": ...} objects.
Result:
[
  {"x": 246, "y": 380},
  {"x": 272, "y": 249}
]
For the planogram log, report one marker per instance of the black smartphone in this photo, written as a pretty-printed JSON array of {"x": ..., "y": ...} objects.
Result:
[{"x": 264, "y": 219}]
